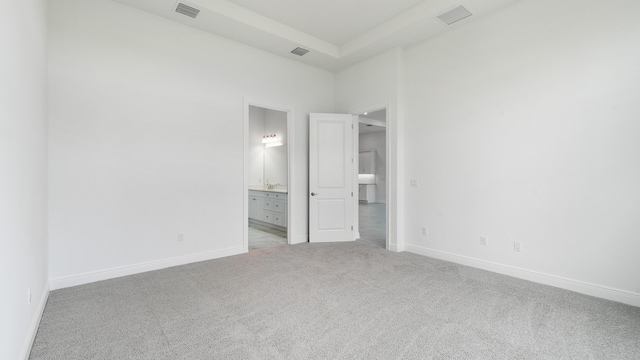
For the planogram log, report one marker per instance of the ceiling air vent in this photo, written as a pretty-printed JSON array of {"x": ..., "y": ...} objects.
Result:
[
  {"x": 299, "y": 51},
  {"x": 187, "y": 10},
  {"x": 454, "y": 15}
]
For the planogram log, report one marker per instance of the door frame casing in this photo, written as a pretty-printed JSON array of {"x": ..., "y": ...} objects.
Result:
[{"x": 247, "y": 102}]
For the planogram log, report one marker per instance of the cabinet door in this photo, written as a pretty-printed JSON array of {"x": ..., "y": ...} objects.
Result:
[
  {"x": 256, "y": 208},
  {"x": 253, "y": 207},
  {"x": 371, "y": 193}
]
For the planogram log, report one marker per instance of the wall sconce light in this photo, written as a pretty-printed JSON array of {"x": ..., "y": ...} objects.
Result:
[
  {"x": 268, "y": 138},
  {"x": 271, "y": 140}
]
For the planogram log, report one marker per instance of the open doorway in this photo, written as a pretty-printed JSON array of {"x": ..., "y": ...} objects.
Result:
[
  {"x": 267, "y": 168},
  {"x": 372, "y": 178}
]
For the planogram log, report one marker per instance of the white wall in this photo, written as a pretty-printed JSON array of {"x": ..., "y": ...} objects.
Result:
[
  {"x": 377, "y": 141},
  {"x": 524, "y": 126},
  {"x": 23, "y": 174},
  {"x": 146, "y": 138},
  {"x": 372, "y": 85}
]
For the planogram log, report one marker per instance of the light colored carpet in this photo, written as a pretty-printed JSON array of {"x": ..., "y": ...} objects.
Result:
[{"x": 331, "y": 301}]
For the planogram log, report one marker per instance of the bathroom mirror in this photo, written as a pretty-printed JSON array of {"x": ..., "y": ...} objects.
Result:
[
  {"x": 275, "y": 165},
  {"x": 268, "y": 158}
]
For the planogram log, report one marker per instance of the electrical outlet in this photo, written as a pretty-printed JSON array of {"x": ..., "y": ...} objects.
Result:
[
  {"x": 425, "y": 231},
  {"x": 517, "y": 246},
  {"x": 180, "y": 237},
  {"x": 414, "y": 182},
  {"x": 484, "y": 241}
]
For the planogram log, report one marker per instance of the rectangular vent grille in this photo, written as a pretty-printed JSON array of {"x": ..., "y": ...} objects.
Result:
[
  {"x": 454, "y": 15},
  {"x": 187, "y": 10},
  {"x": 299, "y": 51}
]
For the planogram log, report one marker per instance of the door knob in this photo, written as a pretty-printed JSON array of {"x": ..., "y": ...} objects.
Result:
[{"x": 314, "y": 194}]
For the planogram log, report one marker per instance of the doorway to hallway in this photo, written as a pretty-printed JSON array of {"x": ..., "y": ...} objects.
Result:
[{"x": 372, "y": 178}]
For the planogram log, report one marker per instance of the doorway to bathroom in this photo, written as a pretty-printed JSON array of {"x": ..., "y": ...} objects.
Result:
[{"x": 267, "y": 177}]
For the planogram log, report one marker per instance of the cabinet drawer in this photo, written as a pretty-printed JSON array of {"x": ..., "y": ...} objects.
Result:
[
  {"x": 271, "y": 217},
  {"x": 269, "y": 204},
  {"x": 278, "y": 219},
  {"x": 278, "y": 206},
  {"x": 274, "y": 218}
]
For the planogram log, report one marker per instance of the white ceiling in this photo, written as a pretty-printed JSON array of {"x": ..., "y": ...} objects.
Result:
[
  {"x": 373, "y": 121},
  {"x": 338, "y": 33},
  {"x": 330, "y": 20},
  {"x": 379, "y": 115},
  {"x": 368, "y": 128}
]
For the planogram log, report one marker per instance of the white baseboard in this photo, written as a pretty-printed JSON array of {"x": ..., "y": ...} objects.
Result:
[
  {"x": 35, "y": 323},
  {"x": 86, "y": 278},
  {"x": 396, "y": 247},
  {"x": 604, "y": 292}
]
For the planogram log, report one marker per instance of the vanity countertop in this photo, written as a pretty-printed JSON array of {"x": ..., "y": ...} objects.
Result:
[
  {"x": 278, "y": 189},
  {"x": 367, "y": 179}
]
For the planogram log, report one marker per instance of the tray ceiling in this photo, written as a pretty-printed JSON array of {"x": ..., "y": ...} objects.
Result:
[{"x": 337, "y": 33}]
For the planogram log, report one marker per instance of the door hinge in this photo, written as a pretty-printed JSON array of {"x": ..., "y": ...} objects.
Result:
[
  {"x": 351, "y": 227},
  {"x": 352, "y": 194}
]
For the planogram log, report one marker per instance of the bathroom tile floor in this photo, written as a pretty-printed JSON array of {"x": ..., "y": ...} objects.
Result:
[{"x": 263, "y": 237}]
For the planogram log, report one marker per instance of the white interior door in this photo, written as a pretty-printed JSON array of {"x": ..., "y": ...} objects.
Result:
[{"x": 331, "y": 177}]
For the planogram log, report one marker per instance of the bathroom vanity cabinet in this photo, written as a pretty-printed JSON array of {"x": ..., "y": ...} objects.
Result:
[{"x": 269, "y": 207}]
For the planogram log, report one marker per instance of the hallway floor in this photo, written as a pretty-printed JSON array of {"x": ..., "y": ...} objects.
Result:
[{"x": 373, "y": 224}]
